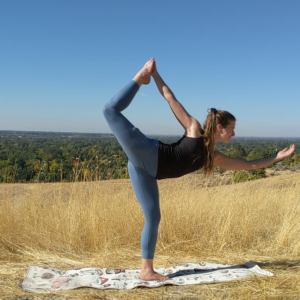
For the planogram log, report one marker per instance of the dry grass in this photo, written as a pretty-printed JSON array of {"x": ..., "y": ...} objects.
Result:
[{"x": 73, "y": 225}]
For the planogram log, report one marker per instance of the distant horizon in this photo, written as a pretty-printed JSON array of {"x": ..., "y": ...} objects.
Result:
[{"x": 147, "y": 134}]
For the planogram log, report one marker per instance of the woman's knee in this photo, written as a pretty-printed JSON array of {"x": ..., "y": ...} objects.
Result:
[
  {"x": 106, "y": 110},
  {"x": 154, "y": 218},
  {"x": 157, "y": 219},
  {"x": 111, "y": 114}
]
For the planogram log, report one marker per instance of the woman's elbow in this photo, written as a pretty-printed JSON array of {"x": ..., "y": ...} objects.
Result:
[{"x": 252, "y": 166}]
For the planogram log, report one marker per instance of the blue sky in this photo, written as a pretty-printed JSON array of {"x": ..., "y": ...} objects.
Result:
[{"x": 62, "y": 60}]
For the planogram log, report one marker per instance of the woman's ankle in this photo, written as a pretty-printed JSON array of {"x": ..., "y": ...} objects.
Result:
[{"x": 137, "y": 80}]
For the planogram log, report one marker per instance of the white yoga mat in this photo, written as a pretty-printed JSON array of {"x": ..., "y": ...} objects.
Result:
[{"x": 49, "y": 280}]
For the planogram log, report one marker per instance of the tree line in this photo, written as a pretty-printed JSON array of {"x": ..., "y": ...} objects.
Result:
[{"x": 68, "y": 157}]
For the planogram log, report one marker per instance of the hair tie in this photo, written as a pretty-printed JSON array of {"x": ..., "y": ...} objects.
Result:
[{"x": 213, "y": 110}]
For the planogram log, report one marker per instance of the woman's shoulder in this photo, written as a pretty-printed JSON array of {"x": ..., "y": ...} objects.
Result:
[{"x": 195, "y": 131}]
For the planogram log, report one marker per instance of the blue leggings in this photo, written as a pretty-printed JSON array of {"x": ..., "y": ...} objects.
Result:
[{"x": 142, "y": 154}]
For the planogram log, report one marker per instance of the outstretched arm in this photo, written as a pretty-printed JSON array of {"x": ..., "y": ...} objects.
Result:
[
  {"x": 191, "y": 125},
  {"x": 231, "y": 163}
]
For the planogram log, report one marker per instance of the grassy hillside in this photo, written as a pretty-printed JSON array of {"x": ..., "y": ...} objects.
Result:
[{"x": 74, "y": 225}]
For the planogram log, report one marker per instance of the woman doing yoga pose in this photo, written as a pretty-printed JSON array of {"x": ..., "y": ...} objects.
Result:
[{"x": 150, "y": 160}]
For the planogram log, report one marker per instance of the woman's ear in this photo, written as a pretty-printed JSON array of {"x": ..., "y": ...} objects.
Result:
[{"x": 219, "y": 127}]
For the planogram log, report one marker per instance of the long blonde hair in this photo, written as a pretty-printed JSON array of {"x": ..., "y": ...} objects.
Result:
[{"x": 213, "y": 118}]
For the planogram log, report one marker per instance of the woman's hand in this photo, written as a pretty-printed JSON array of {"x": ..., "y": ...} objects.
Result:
[{"x": 286, "y": 152}]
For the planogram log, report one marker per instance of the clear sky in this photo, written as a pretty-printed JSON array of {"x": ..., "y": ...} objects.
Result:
[{"x": 61, "y": 60}]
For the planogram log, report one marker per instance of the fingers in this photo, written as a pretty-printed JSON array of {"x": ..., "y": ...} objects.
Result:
[
  {"x": 150, "y": 60},
  {"x": 292, "y": 148}
]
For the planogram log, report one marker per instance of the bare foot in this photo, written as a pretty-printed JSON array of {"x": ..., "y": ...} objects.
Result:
[
  {"x": 148, "y": 276},
  {"x": 144, "y": 75}
]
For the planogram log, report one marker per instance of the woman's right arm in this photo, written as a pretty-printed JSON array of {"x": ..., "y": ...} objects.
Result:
[
  {"x": 191, "y": 125},
  {"x": 232, "y": 163}
]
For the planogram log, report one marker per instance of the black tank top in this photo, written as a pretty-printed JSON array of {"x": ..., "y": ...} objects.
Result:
[{"x": 185, "y": 156}]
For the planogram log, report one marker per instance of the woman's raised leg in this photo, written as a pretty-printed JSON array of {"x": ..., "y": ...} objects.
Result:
[{"x": 135, "y": 144}]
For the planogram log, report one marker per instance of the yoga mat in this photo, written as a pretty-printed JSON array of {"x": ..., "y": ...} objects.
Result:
[{"x": 41, "y": 280}]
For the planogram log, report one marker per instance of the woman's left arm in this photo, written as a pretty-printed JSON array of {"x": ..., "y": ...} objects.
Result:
[
  {"x": 231, "y": 163},
  {"x": 191, "y": 125}
]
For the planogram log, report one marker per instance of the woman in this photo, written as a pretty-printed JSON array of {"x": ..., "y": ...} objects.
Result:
[{"x": 149, "y": 159}]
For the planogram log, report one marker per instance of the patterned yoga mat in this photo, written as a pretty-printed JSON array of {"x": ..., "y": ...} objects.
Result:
[{"x": 48, "y": 279}]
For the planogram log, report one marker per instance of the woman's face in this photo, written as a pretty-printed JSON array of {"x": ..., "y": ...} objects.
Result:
[{"x": 225, "y": 133}]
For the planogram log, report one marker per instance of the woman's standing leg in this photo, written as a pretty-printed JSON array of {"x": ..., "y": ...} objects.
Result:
[{"x": 146, "y": 191}]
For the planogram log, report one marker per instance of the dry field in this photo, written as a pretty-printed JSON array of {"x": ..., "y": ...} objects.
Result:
[{"x": 98, "y": 224}]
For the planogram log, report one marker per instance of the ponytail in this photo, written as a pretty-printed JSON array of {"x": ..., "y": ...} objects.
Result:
[{"x": 214, "y": 118}]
